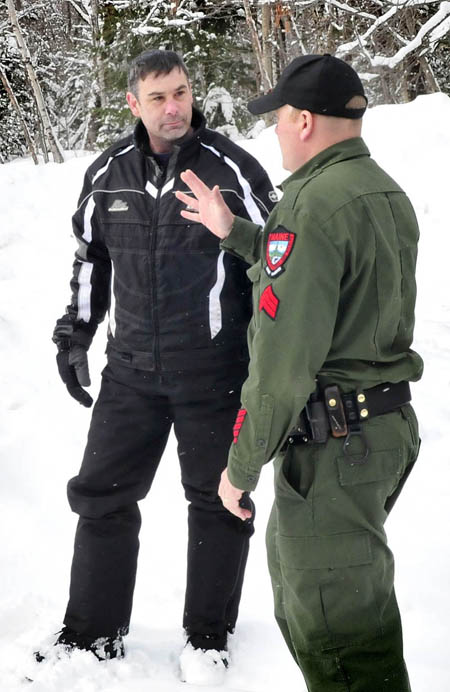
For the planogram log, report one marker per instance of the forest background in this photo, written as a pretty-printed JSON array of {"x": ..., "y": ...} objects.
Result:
[{"x": 63, "y": 63}]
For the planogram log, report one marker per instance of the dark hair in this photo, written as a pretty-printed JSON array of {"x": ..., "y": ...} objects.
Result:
[{"x": 153, "y": 61}]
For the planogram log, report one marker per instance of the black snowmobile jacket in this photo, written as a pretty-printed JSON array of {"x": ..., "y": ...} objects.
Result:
[{"x": 175, "y": 299}]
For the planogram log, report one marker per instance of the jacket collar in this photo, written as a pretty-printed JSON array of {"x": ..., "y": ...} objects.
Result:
[
  {"x": 347, "y": 149},
  {"x": 198, "y": 123}
]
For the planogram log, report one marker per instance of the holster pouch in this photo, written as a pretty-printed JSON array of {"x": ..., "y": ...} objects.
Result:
[
  {"x": 335, "y": 410},
  {"x": 318, "y": 421}
]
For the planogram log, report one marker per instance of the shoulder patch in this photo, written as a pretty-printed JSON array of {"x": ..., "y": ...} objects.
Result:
[
  {"x": 269, "y": 302},
  {"x": 279, "y": 246}
]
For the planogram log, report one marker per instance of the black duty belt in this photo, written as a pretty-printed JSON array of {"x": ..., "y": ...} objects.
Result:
[{"x": 331, "y": 413}]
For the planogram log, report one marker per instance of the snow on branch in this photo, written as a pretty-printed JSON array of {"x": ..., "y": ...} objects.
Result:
[
  {"x": 120, "y": 4},
  {"x": 23, "y": 13},
  {"x": 145, "y": 30},
  {"x": 408, "y": 4},
  {"x": 350, "y": 10},
  {"x": 440, "y": 31},
  {"x": 362, "y": 40},
  {"x": 307, "y": 3},
  {"x": 81, "y": 11},
  {"x": 143, "y": 24},
  {"x": 185, "y": 18},
  {"x": 194, "y": 17},
  {"x": 441, "y": 20}
]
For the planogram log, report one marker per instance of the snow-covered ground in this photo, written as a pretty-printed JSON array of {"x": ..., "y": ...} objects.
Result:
[{"x": 42, "y": 435}]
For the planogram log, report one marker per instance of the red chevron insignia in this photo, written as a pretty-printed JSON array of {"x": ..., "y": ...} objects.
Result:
[
  {"x": 269, "y": 302},
  {"x": 238, "y": 424}
]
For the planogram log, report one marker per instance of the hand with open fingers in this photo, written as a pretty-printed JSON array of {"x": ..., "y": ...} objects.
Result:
[
  {"x": 231, "y": 497},
  {"x": 207, "y": 206}
]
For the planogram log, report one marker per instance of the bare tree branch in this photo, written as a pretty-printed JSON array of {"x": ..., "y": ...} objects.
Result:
[
  {"x": 348, "y": 47},
  {"x": 80, "y": 10},
  {"x": 18, "y": 110},
  {"x": 349, "y": 10},
  {"x": 57, "y": 151},
  {"x": 440, "y": 18}
]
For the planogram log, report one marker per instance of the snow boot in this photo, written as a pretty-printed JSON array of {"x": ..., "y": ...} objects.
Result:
[
  {"x": 103, "y": 648},
  {"x": 203, "y": 666}
]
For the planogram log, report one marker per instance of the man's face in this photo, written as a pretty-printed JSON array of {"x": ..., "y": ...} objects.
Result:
[
  {"x": 288, "y": 133},
  {"x": 164, "y": 104}
]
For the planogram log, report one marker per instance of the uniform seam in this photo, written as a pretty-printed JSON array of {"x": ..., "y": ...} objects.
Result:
[{"x": 360, "y": 196}]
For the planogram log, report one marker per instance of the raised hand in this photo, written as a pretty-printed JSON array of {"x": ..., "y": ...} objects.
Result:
[{"x": 208, "y": 206}]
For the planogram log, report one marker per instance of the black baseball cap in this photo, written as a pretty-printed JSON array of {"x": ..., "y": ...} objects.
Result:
[{"x": 321, "y": 84}]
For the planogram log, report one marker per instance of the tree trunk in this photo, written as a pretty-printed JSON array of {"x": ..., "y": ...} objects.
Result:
[
  {"x": 16, "y": 106},
  {"x": 266, "y": 83},
  {"x": 283, "y": 22},
  {"x": 55, "y": 146},
  {"x": 39, "y": 136},
  {"x": 430, "y": 79},
  {"x": 266, "y": 25},
  {"x": 98, "y": 60}
]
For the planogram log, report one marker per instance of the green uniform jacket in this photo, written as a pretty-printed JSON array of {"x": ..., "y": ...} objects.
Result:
[{"x": 333, "y": 275}]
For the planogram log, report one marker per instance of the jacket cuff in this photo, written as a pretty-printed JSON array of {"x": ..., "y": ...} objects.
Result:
[
  {"x": 243, "y": 240},
  {"x": 82, "y": 337},
  {"x": 244, "y": 479},
  {"x": 69, "y": 332}
]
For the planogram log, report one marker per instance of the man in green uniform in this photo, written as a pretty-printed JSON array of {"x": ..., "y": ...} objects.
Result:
[{"x": 327, "y": 396}]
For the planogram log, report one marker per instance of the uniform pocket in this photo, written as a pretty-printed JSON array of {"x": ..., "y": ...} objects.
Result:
[
  {"x": 378, "y": 466},
  {"x": 283, "y": 484},
  {"x": 409, "y": 416},
  {"x": 294, "y": 512},
  {"x": 333, "y": 578},
  {"x": 325, "y": 552},
  {"x": 349, "y": 604}
]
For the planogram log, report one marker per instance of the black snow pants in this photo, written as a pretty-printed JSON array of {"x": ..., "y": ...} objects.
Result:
[{"x": 130, "y": 425}]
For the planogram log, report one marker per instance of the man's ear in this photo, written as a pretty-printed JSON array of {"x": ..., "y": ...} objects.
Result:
[
  {"x": 306, "y": 125},
  {"x": 133, "y": 104}
]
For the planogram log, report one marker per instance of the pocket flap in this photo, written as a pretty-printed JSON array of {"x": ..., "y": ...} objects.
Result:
[
  {"x": 378, "y": 466},
  {"x": 323, "y": 552}
]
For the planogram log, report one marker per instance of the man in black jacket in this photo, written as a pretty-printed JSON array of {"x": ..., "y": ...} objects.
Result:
[{"x": 177, "y": 354}]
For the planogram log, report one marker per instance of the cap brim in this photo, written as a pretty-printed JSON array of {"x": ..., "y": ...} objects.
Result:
[{"x": 270, "y": 102}]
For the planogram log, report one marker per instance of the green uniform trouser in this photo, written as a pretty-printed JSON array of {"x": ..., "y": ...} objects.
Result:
[{"x": 331, "y": 569}]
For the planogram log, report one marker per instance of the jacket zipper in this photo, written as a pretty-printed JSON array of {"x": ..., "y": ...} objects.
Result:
[
  {"x": 156, "y": 350},
  {"x": 166, "y": 175}
]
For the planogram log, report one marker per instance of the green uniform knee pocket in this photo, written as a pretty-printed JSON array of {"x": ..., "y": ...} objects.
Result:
[
  {"x": 350, "y": 606},
  {"x": 335, "y": 579}
]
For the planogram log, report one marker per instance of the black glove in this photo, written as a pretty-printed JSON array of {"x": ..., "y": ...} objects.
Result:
[
  {"x": 72, "y": 362},
  {"x": 247, "y": 503}
]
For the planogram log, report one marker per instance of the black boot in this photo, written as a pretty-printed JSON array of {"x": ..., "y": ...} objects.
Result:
[{"x": 103, "y": 648}]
